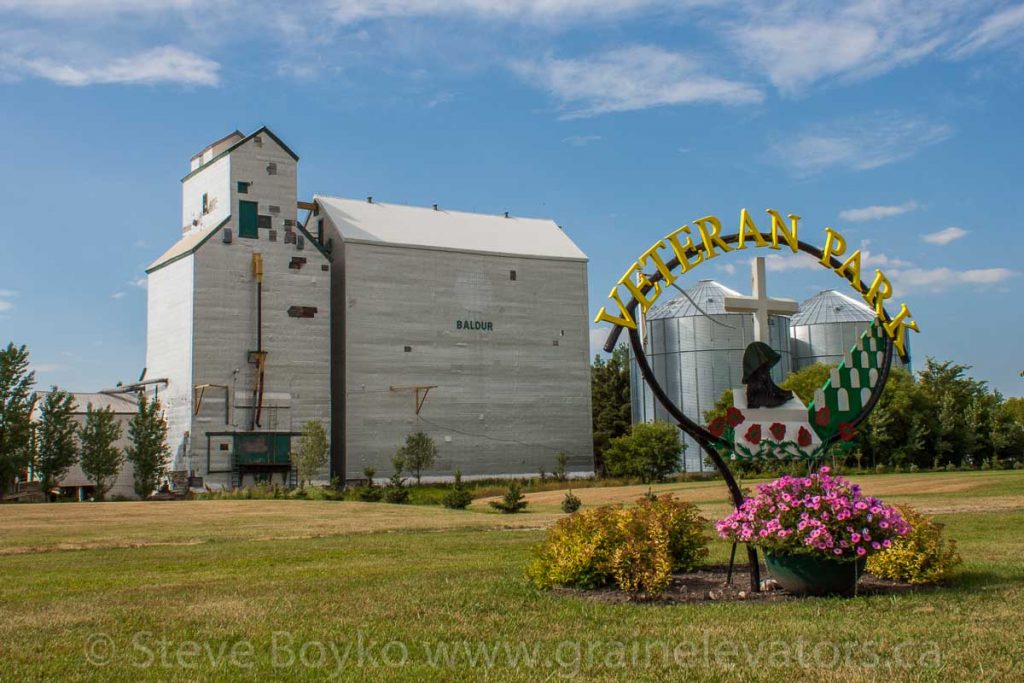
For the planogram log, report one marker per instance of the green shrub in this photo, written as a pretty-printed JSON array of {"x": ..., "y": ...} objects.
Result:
[
  {"x": 649, "y": 452},
  {"x": 368, "y": 492},
  {"x": 922, "y": 556},
  {"x": 881, "y": 469},
  {"x": 635, "y": 548},
  {"x": 513, "y": 500},
  {"x": 561, "y": 470},
  {"x": 571, "y": 503},
  {"x": 396, "y": 491},
  {"x": 458, "y": 496},
  {"x": 1018, "y": 465}
]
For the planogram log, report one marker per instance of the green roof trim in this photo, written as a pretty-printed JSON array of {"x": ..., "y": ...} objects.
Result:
[
  {"x": 312, "y": 240},
  {"x": 309, "y": 236},
  {"x": 191, "y": 250},
  {"x": 241, "y": 142}
]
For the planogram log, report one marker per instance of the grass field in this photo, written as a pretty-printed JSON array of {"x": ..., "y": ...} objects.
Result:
[{"x": 301, "y": 590}]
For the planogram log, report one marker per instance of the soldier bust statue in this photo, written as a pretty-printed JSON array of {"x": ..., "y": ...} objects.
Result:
[{"x": 758, "y": 361}]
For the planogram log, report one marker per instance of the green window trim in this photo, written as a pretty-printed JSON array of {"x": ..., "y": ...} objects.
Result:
[{"x": 243, "y": 187}]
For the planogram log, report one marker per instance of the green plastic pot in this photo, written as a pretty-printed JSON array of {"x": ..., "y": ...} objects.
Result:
[{"x": 815, "y": 574}]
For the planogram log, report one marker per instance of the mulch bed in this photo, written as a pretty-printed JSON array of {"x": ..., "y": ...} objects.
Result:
[{"x": 708, "y": 585}]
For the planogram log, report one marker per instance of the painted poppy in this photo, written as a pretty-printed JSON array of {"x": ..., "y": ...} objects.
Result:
[
  {"x": 778, "y": 431},
  {"x": 803, "y": 437},
  {"x": 733, "y": 416},
  {"x": 847, "y": 432},
  {"x": 753, "y": 434},
  {"x": 822, "y": 416},
  {"x": 717, "y": 427}
]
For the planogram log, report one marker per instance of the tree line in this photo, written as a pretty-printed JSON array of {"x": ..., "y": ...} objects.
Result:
[{"x": 55, "y": 440}]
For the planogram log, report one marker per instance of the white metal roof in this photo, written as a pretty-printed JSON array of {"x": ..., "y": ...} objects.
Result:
[
  {"x": 830, "y": 306},
  {"x": 186, "y": 245},
  {"x": 121, "y": 404},
  {"x": 362, "y": 221}
]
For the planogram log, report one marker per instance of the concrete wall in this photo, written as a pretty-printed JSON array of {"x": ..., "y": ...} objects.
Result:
[
  {"x": 508, "y": 397},
  {"x": 169, "y": 349},
  {"x": 214, "y": 181}
]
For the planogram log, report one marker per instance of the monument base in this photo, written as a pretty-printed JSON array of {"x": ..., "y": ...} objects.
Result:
[{"x": 792, "y": 414}]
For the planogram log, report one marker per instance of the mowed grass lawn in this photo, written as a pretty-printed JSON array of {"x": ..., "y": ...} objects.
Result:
[{"x": 297, "y": 590}]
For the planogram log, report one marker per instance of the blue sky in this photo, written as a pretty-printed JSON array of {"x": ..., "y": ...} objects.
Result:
[{"x": 898, "y": 123}]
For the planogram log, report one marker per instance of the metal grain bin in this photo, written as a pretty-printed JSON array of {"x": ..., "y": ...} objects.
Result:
[
  {"x": 827, "y": 326},
  {"x": 696, "y": 351}
]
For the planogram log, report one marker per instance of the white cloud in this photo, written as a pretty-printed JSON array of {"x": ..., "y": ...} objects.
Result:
[
  {"x": 45, "y": 367},
  {"x": 728, "y": 268},
  {"x": 117, "y": 295},
  {"x": 781, "y": 263},
  {"x": 352, "y": 11},
  {"x": 5, "y": 303},
  {"x": 580, "y": 140},
  {"x": 631, "y": 78},
  {"x": 94, "y": 7},
  {"x": 141, "y": 282},
  {"x": 5, "y": 306},
  {"x": 906, "y": 276},
  {"x": 939, "y": 279},
  {"x": 598, "y": 336},
  {"x": 873, "y": 213},
  {"x": 775, "y": 263},
  {"x": 160, "y": 65},
  {"x": 799, "y": 44},
  {"x": 860, "y": 143},
  {"x": 996, "y": 30},
  {"x": 944, "y": 236},
  {"x": 870, "y": 259},
  {"x": 439, "y": 99}
]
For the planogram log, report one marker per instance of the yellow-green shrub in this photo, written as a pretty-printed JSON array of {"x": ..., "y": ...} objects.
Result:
[
  {"x": 922, "y": 556},
  {"x": 635, "y": 548}
]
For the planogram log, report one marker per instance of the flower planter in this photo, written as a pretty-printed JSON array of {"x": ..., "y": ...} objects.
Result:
[{"x": 814, "y": 574}]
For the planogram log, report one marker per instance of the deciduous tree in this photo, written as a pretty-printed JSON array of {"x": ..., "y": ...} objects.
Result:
[
  {"x": 100, "y": 459},
  {"x": 57, "y": 434},
  {"x": 148, "y": 451},
  {"x": 312, "y": 452},
  {"x": 649, "y": 452},
  {"x": 16, "y": 403},
  {"x": 418, "y": 454},
  {"x": 610, "y": 402}
]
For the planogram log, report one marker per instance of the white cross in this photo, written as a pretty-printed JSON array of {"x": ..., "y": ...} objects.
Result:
[{"x": 760, "y": 304}]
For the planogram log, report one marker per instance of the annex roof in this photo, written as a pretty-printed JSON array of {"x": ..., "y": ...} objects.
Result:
[
  {"x": 186, "y": 245},
  {"x": 395, "y": 224},
  {"x": 121, "y": 404}
]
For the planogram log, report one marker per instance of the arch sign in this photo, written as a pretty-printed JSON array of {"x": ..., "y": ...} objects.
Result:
[{"x": 766, "y": 422}]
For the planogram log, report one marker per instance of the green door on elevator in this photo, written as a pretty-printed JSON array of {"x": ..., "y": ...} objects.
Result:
[{"x": 248, "y": 219}]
